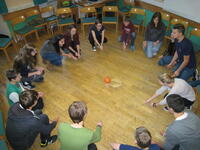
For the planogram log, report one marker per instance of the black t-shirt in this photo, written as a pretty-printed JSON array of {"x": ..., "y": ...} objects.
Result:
[
  {"x": 22, "y": 68},
  {"x": 98, "y": 33},
  {"x": 185, "y": 48},
  {"x": 170, "y": 50}
]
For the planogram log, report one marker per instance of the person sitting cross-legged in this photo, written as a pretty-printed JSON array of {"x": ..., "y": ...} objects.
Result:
[
  {"x": 142, "y": 138},
  {"x": 183, "y": 61},
  {"x": 14, "y": 88},
  {"x": 24, "y": 125},
  {"x": 168, "y": 54},
  {"x": 184, "y": 132},
  {"x": 75, "y": 136},
  {"x": 26, "y": 63}
]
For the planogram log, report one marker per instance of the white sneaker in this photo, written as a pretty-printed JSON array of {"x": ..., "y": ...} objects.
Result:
[
  {"x": 196, "y": 74},
  {"x": 154, "y": 54},
  {"x": 94, "y": 49}
]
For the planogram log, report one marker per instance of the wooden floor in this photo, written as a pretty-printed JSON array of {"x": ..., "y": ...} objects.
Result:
[{"x": 121, "y": 109}]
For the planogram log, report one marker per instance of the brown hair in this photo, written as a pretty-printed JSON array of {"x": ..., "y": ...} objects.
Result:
[
  {"x": 25, "y": 57},
  {"x": 77, "y": 111},
  {"x": 143, "y": 137},
  {"x": 180, "y": 28},
  {"x": 159, "y": 16},
  {"x": 11, "y": 74},
  {"x": 28, "y": 98},
  {"x": 26, "y": 53}
]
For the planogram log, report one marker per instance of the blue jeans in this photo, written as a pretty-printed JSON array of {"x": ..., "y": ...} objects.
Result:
[
  {"x": 133, "y": 37},
  {"x": 33, "y": 78},
  {"x": 53, "y": 58},
  {"x": 186, "y": 73},
  {"x": 151, "y": 49},
  {"x": 165, "y": 60},
  {"x": 194, "y": 83}
]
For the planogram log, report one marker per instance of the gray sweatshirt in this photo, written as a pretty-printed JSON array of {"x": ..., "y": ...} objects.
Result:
[{"x": 185, "y": 132}]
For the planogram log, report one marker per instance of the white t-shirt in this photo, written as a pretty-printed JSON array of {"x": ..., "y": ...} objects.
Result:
[{"x": 180, "y": 87}]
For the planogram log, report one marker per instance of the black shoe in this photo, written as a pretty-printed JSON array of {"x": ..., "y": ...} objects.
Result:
[
  {"x": 32, "y": 86},
  {"x": 28, "y": 85},
  {"x": 52, "y": 140},
  {"x": 165, "y": 108}
]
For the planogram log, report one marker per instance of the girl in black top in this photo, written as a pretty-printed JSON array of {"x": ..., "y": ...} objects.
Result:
[
  {"x": 72, "y": 43},
  {"x": 25, "y": 64},
  {"x": 96, "y": 35},
  {"x": 168, "y": 54}
]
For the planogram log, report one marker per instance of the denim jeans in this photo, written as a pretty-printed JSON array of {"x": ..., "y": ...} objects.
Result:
[
  {"x": 151, "y": 49},
  {"x": 33, "y": 78},
  {"x": 194, "y": 83},
  {"x": 133, "y": 37},
  {"x": 165, "y": 60},
  {"x": 53, "y": 58},
  {"x": 186, "y": 73}
]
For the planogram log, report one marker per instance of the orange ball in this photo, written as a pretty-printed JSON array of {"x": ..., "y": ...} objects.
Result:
[{"x": 107, "y": 80}]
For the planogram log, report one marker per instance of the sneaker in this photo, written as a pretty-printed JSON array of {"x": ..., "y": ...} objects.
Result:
[
  {"x": 25, "y": 83},
  {"x": 28, "y": 85},
  {"x": 189, "y": 107},
  {"x": 52, "y": 140},
  {"x": 154, "y": 54},
  {"x": 132, "y": 47},
  {"x": 31, "y": 86},
  {"x": 94, "y": 49},
  {"x": 196, "y": 74},
  {"x": 119, "y": 39},
  {"x": 165, "y": 108}
]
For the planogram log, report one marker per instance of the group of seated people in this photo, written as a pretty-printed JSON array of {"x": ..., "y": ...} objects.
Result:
[
  {"x": 24, "y": 124},
  {"x": 26, "y": 120},
  {"x": 179, "y": 55}
]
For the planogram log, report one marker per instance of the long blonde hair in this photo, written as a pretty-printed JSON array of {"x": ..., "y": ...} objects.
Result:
[{"x": 166, "y": 78}]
